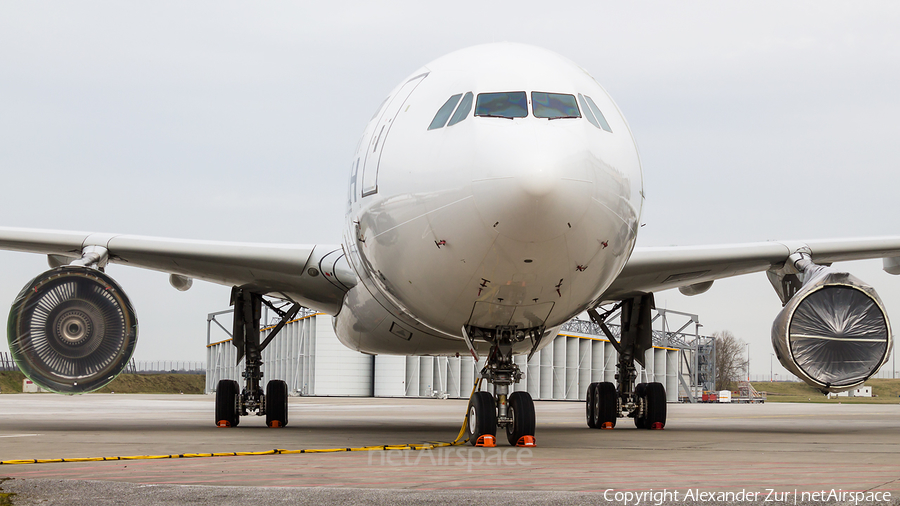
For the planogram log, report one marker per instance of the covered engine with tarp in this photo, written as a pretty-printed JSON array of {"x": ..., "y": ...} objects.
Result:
[
  {"x": 833, "y": 332},
  {"x": 72, "y": 330}
]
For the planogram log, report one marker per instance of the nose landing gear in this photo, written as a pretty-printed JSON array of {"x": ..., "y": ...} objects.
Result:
[{"x": 513, "y": 412}]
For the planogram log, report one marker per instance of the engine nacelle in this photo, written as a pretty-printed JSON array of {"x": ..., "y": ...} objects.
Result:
[
  {"x": 72, "y": 330},
  {"x": 834, "y": 332}
]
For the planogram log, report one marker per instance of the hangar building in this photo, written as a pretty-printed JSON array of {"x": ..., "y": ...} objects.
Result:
[{"x": 309, "y": 357}]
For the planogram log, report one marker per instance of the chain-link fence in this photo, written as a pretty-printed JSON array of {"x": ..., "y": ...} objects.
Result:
[
  {"x": 134, "y": 366},
  {"x": 166, "y": 366},
  {"x": 7, "y": 363}
]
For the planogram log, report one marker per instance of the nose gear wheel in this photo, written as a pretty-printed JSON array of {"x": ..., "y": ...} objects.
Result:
[
  {"x": 521, "y": 414},
  {"x": 482, "y": 419},
  {"x": 514, "y": 412}
]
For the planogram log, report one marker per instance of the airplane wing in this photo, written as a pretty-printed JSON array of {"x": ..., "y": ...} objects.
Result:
[
  {"x": 661, "y": 268},
  {"x": 316, "y": 276}
]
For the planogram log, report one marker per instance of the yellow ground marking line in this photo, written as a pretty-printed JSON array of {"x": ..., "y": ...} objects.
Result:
[{"x": 277, "y": 451}]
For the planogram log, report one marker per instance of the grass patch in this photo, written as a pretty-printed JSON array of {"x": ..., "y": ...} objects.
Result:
[
  {"x": 166, "y": 383},
  {"x": 11, "y": 382},
  {"x": 886, "y": 391}
]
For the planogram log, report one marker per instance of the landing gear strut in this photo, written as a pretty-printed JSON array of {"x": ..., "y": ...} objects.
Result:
[
  {"x": 231, "y": 402},
  {"x": 644, "y": 402},
  {"x": 514, "y": 412}
]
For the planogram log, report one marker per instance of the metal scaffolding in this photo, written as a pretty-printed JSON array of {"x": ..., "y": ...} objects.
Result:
[{"x": 675, "y": 330}]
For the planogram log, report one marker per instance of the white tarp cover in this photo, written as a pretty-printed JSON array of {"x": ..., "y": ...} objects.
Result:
[{"x": 833, "y": 331}]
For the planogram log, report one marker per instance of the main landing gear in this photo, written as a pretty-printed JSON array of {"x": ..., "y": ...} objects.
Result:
[
  {"x": 231, "y": 401},
  {"x": 514, "y": 412},
  {"x": 644, "y": 402}
]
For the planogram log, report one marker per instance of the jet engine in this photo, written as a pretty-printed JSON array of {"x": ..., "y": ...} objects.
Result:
[
  {"x": 72, "y": 330},
  {"x": 833, "y": 332}
]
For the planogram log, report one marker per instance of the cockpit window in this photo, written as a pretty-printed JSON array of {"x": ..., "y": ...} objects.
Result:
[
  {"x": 587, "y": 111},
  {"x": 440, "y": 119},
  {"x": 554, "y": 105},
  {"x": 509, "y": 104},
  {"x": 599, "y": 115},
  {"x": 465, "y": 107}
]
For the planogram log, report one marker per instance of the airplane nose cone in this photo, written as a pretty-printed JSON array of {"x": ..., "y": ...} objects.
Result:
[
  {"x": 538, "y": 193},
  {"x": 538, "y": 181}
]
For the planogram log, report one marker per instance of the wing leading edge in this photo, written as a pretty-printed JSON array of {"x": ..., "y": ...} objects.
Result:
[
  {"x": 661, "y": 268},
  {"x": 316, "y": 276}
]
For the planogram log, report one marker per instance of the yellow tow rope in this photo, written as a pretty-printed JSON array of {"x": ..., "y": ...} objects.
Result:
[{"x": 411, "y": 446}]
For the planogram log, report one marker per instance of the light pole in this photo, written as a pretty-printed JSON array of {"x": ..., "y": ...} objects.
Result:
[
  {"x": 771, "y": 356},
  {"x": 748, "y": 361}
]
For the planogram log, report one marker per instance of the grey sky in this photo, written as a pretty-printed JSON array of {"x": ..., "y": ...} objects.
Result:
[{"x": 236, "y": 121}]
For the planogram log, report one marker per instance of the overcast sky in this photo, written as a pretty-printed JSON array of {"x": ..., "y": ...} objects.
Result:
[{"x": 237, "y": 121}]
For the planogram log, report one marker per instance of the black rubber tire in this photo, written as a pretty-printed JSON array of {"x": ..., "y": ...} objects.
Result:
[
  {"x": 226, "y": 403},
  {"x": 590, "y": 403},
  {"x": 640, "y": 391},
  {"x": 521, "y": 410},
  {"x": 607, "y": 404},
  {"x": 655, "y": 405},
  {"x": 237, "y": 407},
  {"x": 276, "y": 403},
  {"x": 481, "y": 417}
]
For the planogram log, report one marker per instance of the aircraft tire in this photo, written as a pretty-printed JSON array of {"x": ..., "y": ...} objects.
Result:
[
  {"x": 276, "y": 403},
  {"x": 656, "y": 405},
  {"x": 521, "y": 409},
  {"x": 590, "y": 404},
  {"x": 226, "y": 403},
  {"x": 640, "y": 391},
  {"x": 482, "y": 417},
  {"x": 607, "y": 405}
]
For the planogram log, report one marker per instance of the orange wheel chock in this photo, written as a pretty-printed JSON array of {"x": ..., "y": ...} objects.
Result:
[
  {"x": 607, "y": 425},
  {"x": 275, "y": 424},
  {"x": 223, "y": 423},
  {"x": 487, "y": 441},
  {"x": 657, "y": 426},
  {"x": 526, "y": 441}
]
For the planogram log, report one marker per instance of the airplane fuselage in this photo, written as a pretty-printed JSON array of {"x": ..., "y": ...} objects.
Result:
[{"x": 496, "y": 186}]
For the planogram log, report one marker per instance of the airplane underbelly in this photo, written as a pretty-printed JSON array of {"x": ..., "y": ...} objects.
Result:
[{"x": 367, "y": 326}]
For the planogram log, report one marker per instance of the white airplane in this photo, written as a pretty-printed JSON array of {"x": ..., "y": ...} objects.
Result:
[{"x": 495, "y": 194}]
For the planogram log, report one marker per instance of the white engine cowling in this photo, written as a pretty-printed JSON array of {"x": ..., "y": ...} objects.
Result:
[{"x": 834, "y": 332}]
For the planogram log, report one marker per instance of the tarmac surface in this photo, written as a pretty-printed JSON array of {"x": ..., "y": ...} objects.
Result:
[{"x": 779, "y": 450}]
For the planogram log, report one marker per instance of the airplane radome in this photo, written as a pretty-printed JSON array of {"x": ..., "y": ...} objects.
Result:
[{"x": 495, "y": 194}]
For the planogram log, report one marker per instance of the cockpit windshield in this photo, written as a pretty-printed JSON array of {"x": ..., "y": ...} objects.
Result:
[
  {"x": 509, "y": 104},
  {"x": 554, "y": 105},
  {"x": 440, "y": 119},
  {"x": 463, "y": 110}
]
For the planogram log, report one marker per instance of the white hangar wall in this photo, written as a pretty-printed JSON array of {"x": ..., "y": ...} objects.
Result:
[
  {"x": 309, "y": 357},
  {"x": 561, "y": 371}
]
